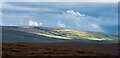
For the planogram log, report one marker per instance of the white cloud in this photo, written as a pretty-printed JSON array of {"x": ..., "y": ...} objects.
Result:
[
  {"x": 80, "y": 21},
  {"x": 61, "y": 24},
  {"x": 95, "y": 26},
  {"x": 74, "y": 13},
  {"x": 32, "y": 23},
  {"x": 40, "y": 24}
]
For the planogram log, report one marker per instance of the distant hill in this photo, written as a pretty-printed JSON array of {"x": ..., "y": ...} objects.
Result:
[{"x": 30, "y": 34}]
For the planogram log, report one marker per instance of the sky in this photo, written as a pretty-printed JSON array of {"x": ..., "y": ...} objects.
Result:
[
  {"x": 60, "y": 0},
  {"x": 88, "y": 16}
]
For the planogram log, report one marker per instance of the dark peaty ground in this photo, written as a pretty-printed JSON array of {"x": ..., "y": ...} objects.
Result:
[{"x": 57, "y": 49}]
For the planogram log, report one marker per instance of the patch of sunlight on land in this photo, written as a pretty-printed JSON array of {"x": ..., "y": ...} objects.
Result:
[
  {"x": 53, "y": 36},
  {"x": 83, "y": 36},
  {"x": 72, "y": 31},
  {"x": 92, "y": 38},
  {"x": 26, "y": 26}
]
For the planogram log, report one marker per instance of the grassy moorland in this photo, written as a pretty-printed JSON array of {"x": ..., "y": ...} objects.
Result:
[
  {"x": 46, "y": 34},
  {"x": 22, "y": 49},
  {"x": 45, "y": 41}
]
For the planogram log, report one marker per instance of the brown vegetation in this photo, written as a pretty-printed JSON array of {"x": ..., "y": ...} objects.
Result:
[{"x": 20, "y": 49}]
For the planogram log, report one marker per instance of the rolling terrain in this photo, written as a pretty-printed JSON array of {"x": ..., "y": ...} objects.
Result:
[
  {"x": 46, "y": 41},
  {"x": 29, "y": 34}
]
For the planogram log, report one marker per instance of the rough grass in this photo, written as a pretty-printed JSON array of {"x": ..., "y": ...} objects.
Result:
[
  {"x": 19, "y": 49},
  {"x": 67, "y": 34},
  {"x": 53, "y": 36}
]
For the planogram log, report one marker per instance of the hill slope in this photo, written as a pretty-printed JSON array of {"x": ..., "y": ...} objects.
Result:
[{"x": 30, "y": 34}]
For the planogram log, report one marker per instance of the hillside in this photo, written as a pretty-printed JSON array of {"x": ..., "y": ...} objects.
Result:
[{"x": 29, "y": 34}]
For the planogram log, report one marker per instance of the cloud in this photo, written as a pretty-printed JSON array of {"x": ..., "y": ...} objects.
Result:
[
  {"x": 61, "y": 24},
  {"x": 40, "y": 24},
  {"x": 95, "y": 26},
  {"x": 9, "y": 6},
  {"x": 72, "y": 12},
  {"x": 23, "y": 8},
  {"x": 80, "y": 21},
  {"x": 32, "y": 23}
]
